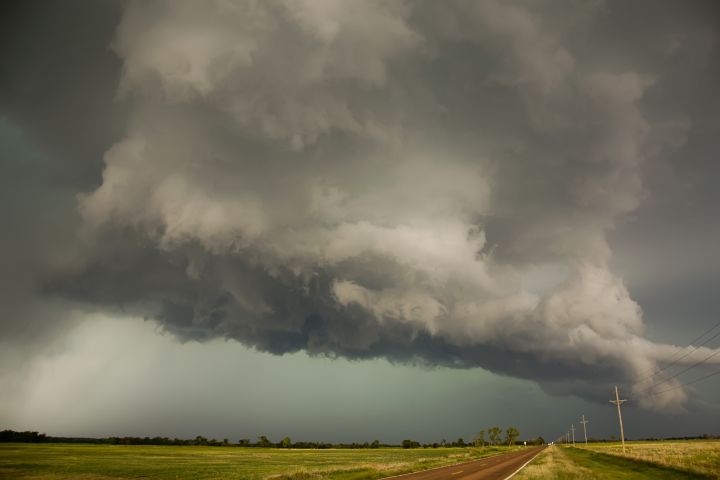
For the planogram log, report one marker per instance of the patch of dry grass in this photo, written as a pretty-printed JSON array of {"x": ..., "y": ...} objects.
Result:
[
  {"x": 554, "y": 464},
  {"x": 304, "y": 473}
]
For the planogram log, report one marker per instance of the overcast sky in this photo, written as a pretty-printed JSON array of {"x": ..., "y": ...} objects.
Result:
[{"x": 342, "y": 220}]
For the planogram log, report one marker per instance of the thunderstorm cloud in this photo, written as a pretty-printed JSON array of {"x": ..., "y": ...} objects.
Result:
[{"x": 434, "y": 183}]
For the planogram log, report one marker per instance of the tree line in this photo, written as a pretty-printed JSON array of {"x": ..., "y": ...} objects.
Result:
[
  {"x": 261, "y": 442},
  {"x": 494, "y": 438}
]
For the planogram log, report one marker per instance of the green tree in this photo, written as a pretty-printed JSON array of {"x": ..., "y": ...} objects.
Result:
[
  {"x": 511, "y": 434},
  {"x": 263, "y": 441},
  {"x": 410, "y": 444},
  {"x": 375, "y": 444},
  {"x": 494, "y": 434},
  {"x": 480, "y": 439},
  {"x": 285, "y": 443}
]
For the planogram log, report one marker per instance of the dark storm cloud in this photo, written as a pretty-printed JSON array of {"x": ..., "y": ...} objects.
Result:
[
  {"x": 57, "y": 115},
  {"x": 58, "y": 80},
  {"x": 427, "y": 182}
]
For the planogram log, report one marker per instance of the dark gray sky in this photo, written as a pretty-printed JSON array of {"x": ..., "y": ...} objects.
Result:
[{"x": 356, "y": 220}]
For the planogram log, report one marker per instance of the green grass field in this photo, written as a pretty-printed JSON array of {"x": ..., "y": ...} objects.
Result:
[
  {"x": 644, "y": 460},
  {"x": 96, "y": 462}
]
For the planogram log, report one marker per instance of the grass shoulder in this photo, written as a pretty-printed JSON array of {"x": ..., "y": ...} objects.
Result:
[
  {"x": 567, "y": 463},
  {"x": 695, "y": 456}
]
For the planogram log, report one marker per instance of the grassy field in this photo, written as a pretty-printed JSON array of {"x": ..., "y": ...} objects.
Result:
[
  {"x": 603, "y": 462},
  {"x": 96, "y": 462},
  {"x": 701, "y": 457}
]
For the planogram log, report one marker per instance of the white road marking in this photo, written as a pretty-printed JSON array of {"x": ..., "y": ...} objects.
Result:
[{"x": 523, "y": 465}]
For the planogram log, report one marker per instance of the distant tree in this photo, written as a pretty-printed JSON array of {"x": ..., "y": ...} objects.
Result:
[
  {"x": 410, "y": 444},
  {"x": 494, "y": 434},
  {"x": 511, "y": 434},
  {"x": 285, "y": 443},
  {"x": 244, "y": 442},
  {"x": 263, "y": 441},
  {"x": 539, "y": 441},
  {"x": 480, "y": 439},
  {"x": 460, "y": 442},
  {"x": 375, "y": 444},
  {"x": 200, "y": 440}
]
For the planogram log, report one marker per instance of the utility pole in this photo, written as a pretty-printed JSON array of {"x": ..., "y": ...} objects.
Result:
[
  {"x": 572, "y": 427},
  {"x": 584, "y": 422},
  {"x": 619, "y": 402}
]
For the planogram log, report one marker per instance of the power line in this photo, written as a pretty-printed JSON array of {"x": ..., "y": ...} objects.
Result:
[
  {"x": 652, "y": 372},
  {"x": 694, "y": 349},
  {"x": 685, "y": 370},
  {"x": 704, "y": 377}
]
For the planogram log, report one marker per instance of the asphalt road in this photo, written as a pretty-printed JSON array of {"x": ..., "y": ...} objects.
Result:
[{"x": 497, "y": 467}]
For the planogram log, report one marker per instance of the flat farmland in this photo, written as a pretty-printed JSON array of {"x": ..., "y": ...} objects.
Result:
[{"x": 96, "y": 462}]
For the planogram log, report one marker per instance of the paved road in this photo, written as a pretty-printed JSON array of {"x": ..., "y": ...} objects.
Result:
[{"x": 497, "y": 467}]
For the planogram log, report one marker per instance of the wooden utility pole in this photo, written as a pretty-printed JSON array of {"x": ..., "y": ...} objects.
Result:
[
  {"x": 572, "y": 428},
  {"x": 619, "y": 402},
  {"x": 584, "y": 422}
]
